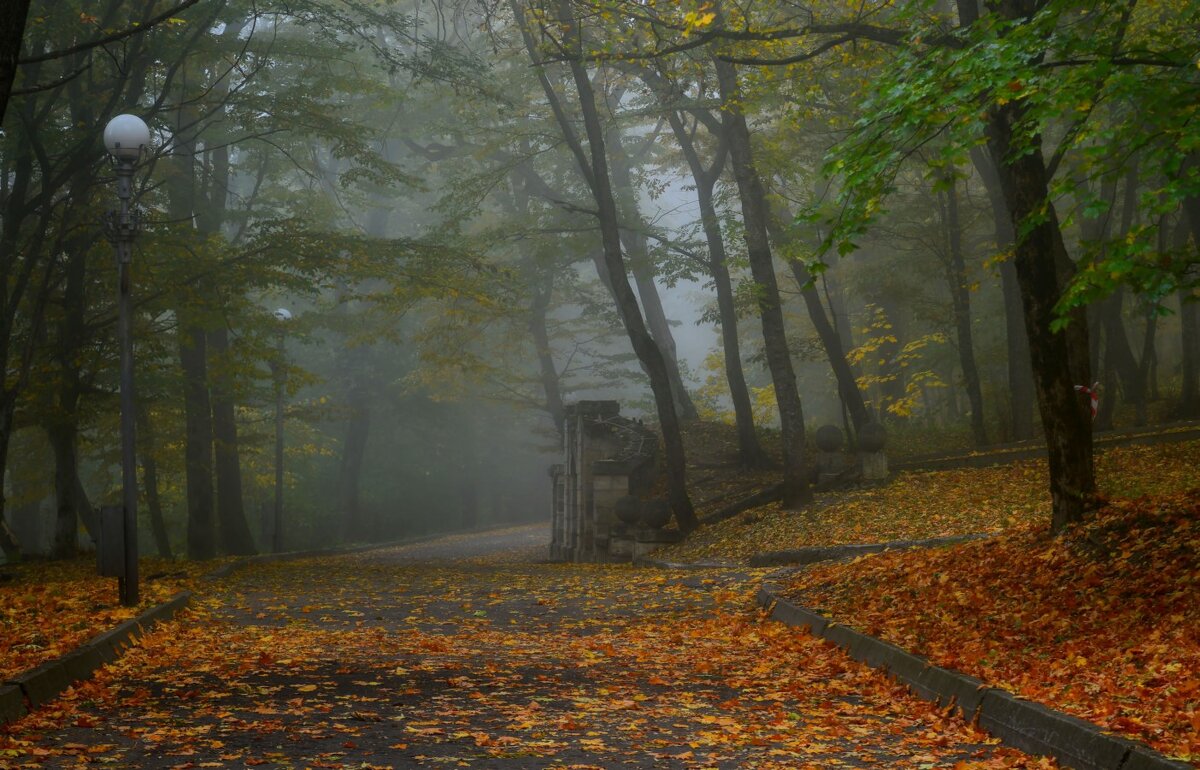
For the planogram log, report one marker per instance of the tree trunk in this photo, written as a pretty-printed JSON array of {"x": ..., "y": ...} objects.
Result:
[
  {"x": 149, "y": 441},
  {"x": 236, "y": 538},
  {"x": 1119, "y": 359},
  {"x": 595, "y": 171},
  {"x": 8, "y": 541},
  {"x": 756, "y": 216},
  {"x": 198, "y": 442},
  {"x": 634, "y": 237},
  {"x": 750, "y": 451},
  {"x": 12, "y": 31},
  {"x": 1189, "y": 330},
  {"x": 1060, "y": 360},
  {"x": 354, "y": 450},
  {"x": 468, "y": 481},
  {"x": 63, "y": 422},
  {"x": 960, "y": 294},
  {"x": 1020, "y": 375},
  {"x": 66, "y": 485},
  {"x": 831, "y": 340},
  {"x": 1147, "y": 366},
  {"x": 551, "y": 386}
]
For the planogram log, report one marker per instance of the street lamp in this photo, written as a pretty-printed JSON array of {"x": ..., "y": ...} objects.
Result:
[
  {"x": 126, "y": 137},
  {"x": 282, "y": 315}
]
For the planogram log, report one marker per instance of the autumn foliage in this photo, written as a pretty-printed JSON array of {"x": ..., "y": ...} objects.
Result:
[
  {"x": 48, "y": 609},
  {"x": 1100, "y": 622},
  {"x": 915, "y": 505}
]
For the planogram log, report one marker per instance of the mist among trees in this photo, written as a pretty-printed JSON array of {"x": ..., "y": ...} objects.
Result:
[{"x": 943, "y": 217}]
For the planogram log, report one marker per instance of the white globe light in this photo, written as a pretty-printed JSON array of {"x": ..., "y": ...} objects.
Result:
[
  {"x": 283, "y": 314},
  {"x": 126, "y": 136}
]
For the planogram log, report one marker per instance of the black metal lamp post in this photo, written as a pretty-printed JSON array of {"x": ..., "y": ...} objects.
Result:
[
  {"x": 126, "y": 137},
  {"x": 282, "y": 315}
]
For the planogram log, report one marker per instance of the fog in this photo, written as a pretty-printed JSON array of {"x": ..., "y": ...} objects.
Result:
[{"x": 478, "y": 216}]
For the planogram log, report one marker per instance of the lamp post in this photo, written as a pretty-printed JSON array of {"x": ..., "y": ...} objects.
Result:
[
  {"x": 125, "y": 137},
  {"x": 282, "y": 315}
]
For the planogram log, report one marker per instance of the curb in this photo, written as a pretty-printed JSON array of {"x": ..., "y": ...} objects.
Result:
[
  {"x": 643, "y": 561},
  {"x": 815, "y": 554},
  {"x": 1022, "y": 724},
  {"x": 41, "y": 684}
]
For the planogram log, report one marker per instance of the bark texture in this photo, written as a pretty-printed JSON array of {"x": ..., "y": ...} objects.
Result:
[
  {"x": 960, "y": 294},
  {"x": 750, "y": 451},
  {"x": 593, "y": 165},
  {"x": 756, "y": 216},
  {"x": 1020, "y": 376},
  {"x": 1060, "y": 360}
]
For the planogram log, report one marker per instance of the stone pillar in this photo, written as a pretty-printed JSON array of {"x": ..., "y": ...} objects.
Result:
[
  {"x": 871, "y": 440},
  {"x": 830, "y": 462}
]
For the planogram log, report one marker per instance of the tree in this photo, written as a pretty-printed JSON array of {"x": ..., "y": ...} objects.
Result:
[{"x": 593, "y": 164}]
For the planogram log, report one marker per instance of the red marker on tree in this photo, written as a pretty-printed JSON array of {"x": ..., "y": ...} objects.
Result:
[{"x": 1093, "y": 394}]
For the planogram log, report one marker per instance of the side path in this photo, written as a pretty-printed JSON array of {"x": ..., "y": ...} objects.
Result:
[{"x": 464, "y": 652}]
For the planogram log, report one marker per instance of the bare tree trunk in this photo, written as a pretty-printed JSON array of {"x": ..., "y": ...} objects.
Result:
[
  {"x": 198, "y": 443},
  {"x": 831, "y": 340},
  {"x": 960, "y": 294},
  {"x": 634, "y": 237},
  {"x": 595, "y": 171},
  {"x": 1189, "y": 329},
  {"x": 231, "y": 508},
  {"x": 551, "y": 386},
  {"x": 1147, "y": 366},
  {"x": 750, "y": 451},
  {"x": 1060, "y": 360},
  {"x": 12, "y": 31},
  {"x": 354, "y": 450},
  {"x": 756, "y": 216},
  {"x": 1020, "y": 375},
  {"x": 8, "y": 541},
  {"x": 149, "y": 441},
  {"x": 1189, "y": 403}
]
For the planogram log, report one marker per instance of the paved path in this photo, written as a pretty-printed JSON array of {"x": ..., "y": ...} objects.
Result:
[{"x": 465, "y": 652}]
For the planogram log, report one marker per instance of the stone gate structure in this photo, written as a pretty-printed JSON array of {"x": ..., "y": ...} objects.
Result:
[{"x": 606, "y": 457}]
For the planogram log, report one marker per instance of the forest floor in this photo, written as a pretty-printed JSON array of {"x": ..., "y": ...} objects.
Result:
[
  {"x": 465, "y": 649},
  {"x": 1100, "y": 622},
  {"x": 467, "y": 652},
  {"x": 915, "y": 505},
  {"x": 50, "y": 608}
]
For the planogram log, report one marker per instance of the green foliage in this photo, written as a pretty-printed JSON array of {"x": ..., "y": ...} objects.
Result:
[{"x": 1059, "y": 64}]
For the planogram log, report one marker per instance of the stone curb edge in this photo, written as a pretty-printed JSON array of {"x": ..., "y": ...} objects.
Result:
[
  {"x": 1022, "y": 724},
  {"x": 43, "y": 683},
  {"x": 815, "y": 554}
]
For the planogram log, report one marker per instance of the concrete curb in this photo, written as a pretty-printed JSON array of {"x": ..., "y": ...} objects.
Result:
[
  {"x": 1028, "y": 726},
  {"x": 41, "y": 684},
  {"x": 643, "y": 561},
  {"x": 815, "y": 554}
]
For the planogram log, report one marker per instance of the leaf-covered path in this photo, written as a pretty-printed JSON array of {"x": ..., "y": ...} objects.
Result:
[{"x": 466, "y": 652}]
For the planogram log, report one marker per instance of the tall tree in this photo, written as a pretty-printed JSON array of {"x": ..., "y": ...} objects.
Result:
[
  {"x": 756, "y": 216},
  {"x": 593, "y": 164},
  {"x": 960, "y": 297}
]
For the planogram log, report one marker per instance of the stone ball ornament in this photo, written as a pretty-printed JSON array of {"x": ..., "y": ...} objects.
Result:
[
  {"x": 628, "y": 509},
  {"x": 126, "y": 137},
  {"x": 656, "y": 513},
  {"x": 872, "y": 437},
  {"x": 829, "y": 438}
]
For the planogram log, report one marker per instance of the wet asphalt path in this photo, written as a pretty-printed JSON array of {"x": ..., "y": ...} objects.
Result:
[{"x": 467, "y": 652}]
